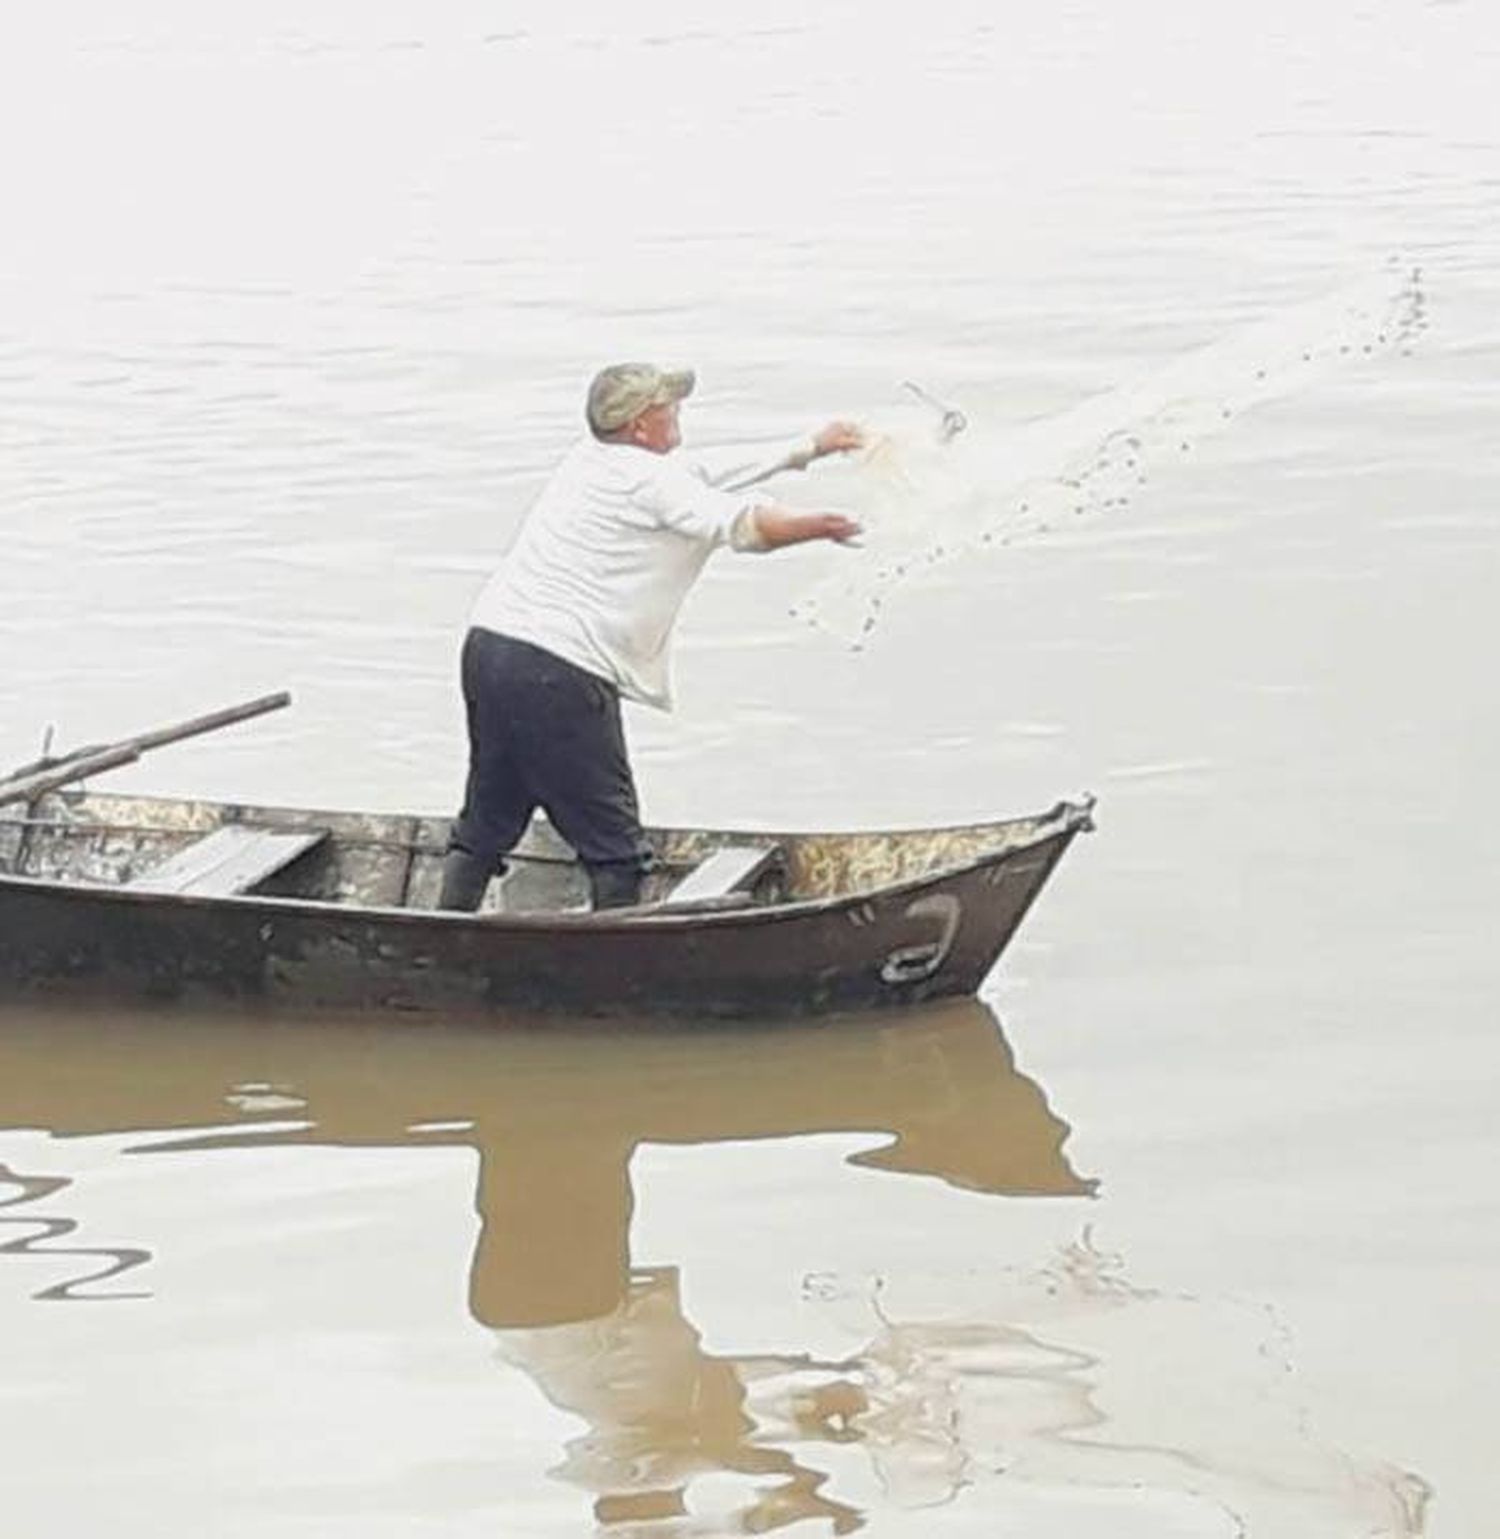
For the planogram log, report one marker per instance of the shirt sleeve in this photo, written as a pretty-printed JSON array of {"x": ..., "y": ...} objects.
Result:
[
  {"x": 745, "y": 536},
  {"x": 679, "y": 499}
]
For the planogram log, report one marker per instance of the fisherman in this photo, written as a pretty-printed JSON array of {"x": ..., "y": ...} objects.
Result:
[{"x": 581, "y": 613}]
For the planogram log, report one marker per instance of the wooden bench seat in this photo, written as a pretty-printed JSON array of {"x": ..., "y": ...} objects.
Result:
[
  {"x": 230, "y": 860},
  {"x": 730, "y": 869}
]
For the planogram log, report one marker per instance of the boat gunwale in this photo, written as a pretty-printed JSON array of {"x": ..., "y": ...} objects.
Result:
[
  {"x": 1083, "y": 805},
  {"x": 1065, "y": 818}
]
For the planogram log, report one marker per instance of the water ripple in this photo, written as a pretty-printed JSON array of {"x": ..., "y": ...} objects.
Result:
[{"x": 47, "y": 1231}]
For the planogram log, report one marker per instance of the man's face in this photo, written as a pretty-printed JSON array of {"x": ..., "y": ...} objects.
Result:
[{"x": 657, "y": 428}]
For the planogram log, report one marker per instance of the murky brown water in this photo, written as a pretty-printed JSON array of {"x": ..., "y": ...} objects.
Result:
[{"x": 1190, "y": 1222}]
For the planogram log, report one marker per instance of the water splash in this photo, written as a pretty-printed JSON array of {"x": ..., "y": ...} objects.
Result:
[
  {"x": 1082, "y": 1403},
  {"x": 938, "y": 492}
]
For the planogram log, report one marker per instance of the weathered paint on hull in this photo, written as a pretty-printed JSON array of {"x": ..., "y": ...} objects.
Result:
[{"x": 919, "y": 941}]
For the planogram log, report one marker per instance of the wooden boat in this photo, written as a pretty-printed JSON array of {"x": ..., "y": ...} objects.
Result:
[{"x": 156, "y": 898}]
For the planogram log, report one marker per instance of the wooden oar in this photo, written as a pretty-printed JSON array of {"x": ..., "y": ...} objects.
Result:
[
  {"x": 49, "y": 774},
  {"x": 26, "y": 788}
]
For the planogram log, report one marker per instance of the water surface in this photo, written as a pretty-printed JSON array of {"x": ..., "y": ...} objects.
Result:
[{"x": 296, "y": 308}]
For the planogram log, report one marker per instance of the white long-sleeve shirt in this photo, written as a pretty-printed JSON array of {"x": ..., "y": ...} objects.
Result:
[{"x": 609, "y": 550}]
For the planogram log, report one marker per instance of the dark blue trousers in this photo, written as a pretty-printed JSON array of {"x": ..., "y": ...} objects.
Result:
[{"x": 543, "y": 733}]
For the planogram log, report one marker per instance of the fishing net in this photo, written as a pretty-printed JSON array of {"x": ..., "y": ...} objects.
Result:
[{"x": 941, "y": 486}]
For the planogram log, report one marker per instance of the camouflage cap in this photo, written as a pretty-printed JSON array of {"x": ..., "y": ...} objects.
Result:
[{"x": 620, "y": 393}]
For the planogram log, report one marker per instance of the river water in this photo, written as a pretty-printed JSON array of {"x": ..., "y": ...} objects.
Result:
[{"x": 1184, "y": 1228}]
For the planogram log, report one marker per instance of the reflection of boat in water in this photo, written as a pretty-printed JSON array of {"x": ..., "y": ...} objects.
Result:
[
  {"x": 553, "y": 1120},
  {"x": 1088, "y": 1405},
  {"x": 555, "y": 1123}
]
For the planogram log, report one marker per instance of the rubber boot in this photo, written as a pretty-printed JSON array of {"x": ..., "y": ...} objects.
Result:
[
  {"x": 616, "y": 885},
  {"x": 465, "y": 878}
]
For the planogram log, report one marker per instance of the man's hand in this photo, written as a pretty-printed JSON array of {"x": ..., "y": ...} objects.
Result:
[
  {"x": 841, "y": 529},
  {"x": 837, "y": 438}
]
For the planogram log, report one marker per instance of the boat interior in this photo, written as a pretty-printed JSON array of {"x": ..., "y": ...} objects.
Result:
[{"x": 385, "y": 860}]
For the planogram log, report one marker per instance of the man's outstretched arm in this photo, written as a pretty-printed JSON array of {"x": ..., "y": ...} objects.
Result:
[{"x": 770, "y": 526}]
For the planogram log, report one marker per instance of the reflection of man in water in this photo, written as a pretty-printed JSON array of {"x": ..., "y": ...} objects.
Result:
[
  {"x": 661, "y": 1413},
  {"x": 552, "y": 1277}
]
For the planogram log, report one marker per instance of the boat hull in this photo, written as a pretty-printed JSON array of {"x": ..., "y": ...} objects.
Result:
[{"x": 913, "y": 941}]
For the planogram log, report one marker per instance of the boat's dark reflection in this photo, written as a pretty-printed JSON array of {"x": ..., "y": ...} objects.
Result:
[{"x": 554, "y": 1116}]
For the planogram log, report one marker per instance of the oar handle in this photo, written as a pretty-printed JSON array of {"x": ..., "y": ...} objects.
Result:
[{"x": 211, "y": 722}]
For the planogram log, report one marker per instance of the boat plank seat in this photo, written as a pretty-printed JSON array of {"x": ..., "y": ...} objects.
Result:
[
  {"x": 727, "y": 870},
  {"x": 230, "y": 860}
]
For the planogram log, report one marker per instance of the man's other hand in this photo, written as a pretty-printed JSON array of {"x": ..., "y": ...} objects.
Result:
[
  {"x": 838, "y": 438},
  {"x": 842, "y": 529}
]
